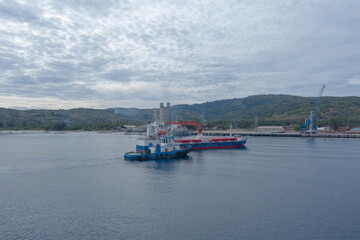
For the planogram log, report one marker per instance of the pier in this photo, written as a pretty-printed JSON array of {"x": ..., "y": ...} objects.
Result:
[{"x": 274, "y": 134}]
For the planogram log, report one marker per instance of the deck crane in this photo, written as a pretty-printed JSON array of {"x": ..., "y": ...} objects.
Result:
[{"x": 310, "y": 121}]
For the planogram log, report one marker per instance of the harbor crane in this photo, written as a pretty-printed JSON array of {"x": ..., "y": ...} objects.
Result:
[{"x": 309, "y": 123}]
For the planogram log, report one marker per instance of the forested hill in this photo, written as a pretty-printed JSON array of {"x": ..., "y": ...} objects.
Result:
[
  {"x": 275, "y": 109},
  {"x": 270, "y": 110}
]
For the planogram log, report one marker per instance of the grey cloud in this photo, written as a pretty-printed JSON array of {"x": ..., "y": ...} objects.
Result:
[
  {"x": 37, "y": 90},
  {"x": 6, "y": 63},
  {"x": 121, "y": 75},
  {"x": 93, "y": 7},
  {"x": 50, "y": 78},
  {"x": 95, "y": 65},
  {"x": 21, "y": 80},
  {"x": 190, "y": 50},
  {"x": 17, "y": 12},
  {"x": 63, "y": 66}
]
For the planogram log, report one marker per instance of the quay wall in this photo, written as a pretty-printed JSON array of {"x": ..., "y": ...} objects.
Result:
[{"x": 286, "y": 134}]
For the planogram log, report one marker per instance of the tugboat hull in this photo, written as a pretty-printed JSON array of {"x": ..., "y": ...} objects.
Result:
[{"x": 142, "y": 156}]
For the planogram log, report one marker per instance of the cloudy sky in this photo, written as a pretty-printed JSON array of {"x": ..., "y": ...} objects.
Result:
[{"x": 92, "y": 53}]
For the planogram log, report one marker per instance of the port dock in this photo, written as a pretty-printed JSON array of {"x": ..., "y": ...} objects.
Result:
[{"x": 274, "y": 134}]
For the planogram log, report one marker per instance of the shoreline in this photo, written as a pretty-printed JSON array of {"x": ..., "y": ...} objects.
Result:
[
  {"x": 280, "y": 134},
  {"x": 65, "y": 131},
  {"x": 205, "y": 133}
]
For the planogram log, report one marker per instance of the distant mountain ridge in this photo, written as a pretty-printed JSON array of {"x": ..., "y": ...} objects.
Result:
[
  {"x": 277, "y": 109},
  {"x": 270, "y": 109}
]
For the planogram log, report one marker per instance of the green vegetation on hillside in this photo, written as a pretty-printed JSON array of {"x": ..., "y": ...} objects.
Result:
[
  {"x": 282, "y": 110},
  {"x": 73, "y": 119}
]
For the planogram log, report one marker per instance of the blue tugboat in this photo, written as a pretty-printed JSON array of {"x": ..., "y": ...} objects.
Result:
[{"x": 157, "y": 145}]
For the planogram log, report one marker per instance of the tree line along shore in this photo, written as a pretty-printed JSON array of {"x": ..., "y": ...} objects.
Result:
[{"x": 275, "y": 110}]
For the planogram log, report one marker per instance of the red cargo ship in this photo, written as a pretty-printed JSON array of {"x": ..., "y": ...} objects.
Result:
[{"x": 201, "y": 143}]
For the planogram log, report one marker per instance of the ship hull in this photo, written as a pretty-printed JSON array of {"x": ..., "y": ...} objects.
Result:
[
  {"x": 205, "y": 146},
  {"x": 214, "y": 143},
  {"x": 142, "y": 156}
]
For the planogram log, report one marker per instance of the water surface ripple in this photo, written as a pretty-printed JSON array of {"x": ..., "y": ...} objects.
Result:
[{"x": 77, "y": 186}]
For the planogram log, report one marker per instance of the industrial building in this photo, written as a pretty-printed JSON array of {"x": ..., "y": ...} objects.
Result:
[
  {"x": 165, "y": 115},
  {"x": 270, "y": 129}
]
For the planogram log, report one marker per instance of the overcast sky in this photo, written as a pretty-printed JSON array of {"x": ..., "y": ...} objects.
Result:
[{"x": 92, "y": 53}]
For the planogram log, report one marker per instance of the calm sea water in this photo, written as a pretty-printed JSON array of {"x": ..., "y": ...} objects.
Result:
[{"x": 77, "y": 186}]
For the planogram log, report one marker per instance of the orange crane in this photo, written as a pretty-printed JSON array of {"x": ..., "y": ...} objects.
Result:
[{"x": 195, "y": 124}]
